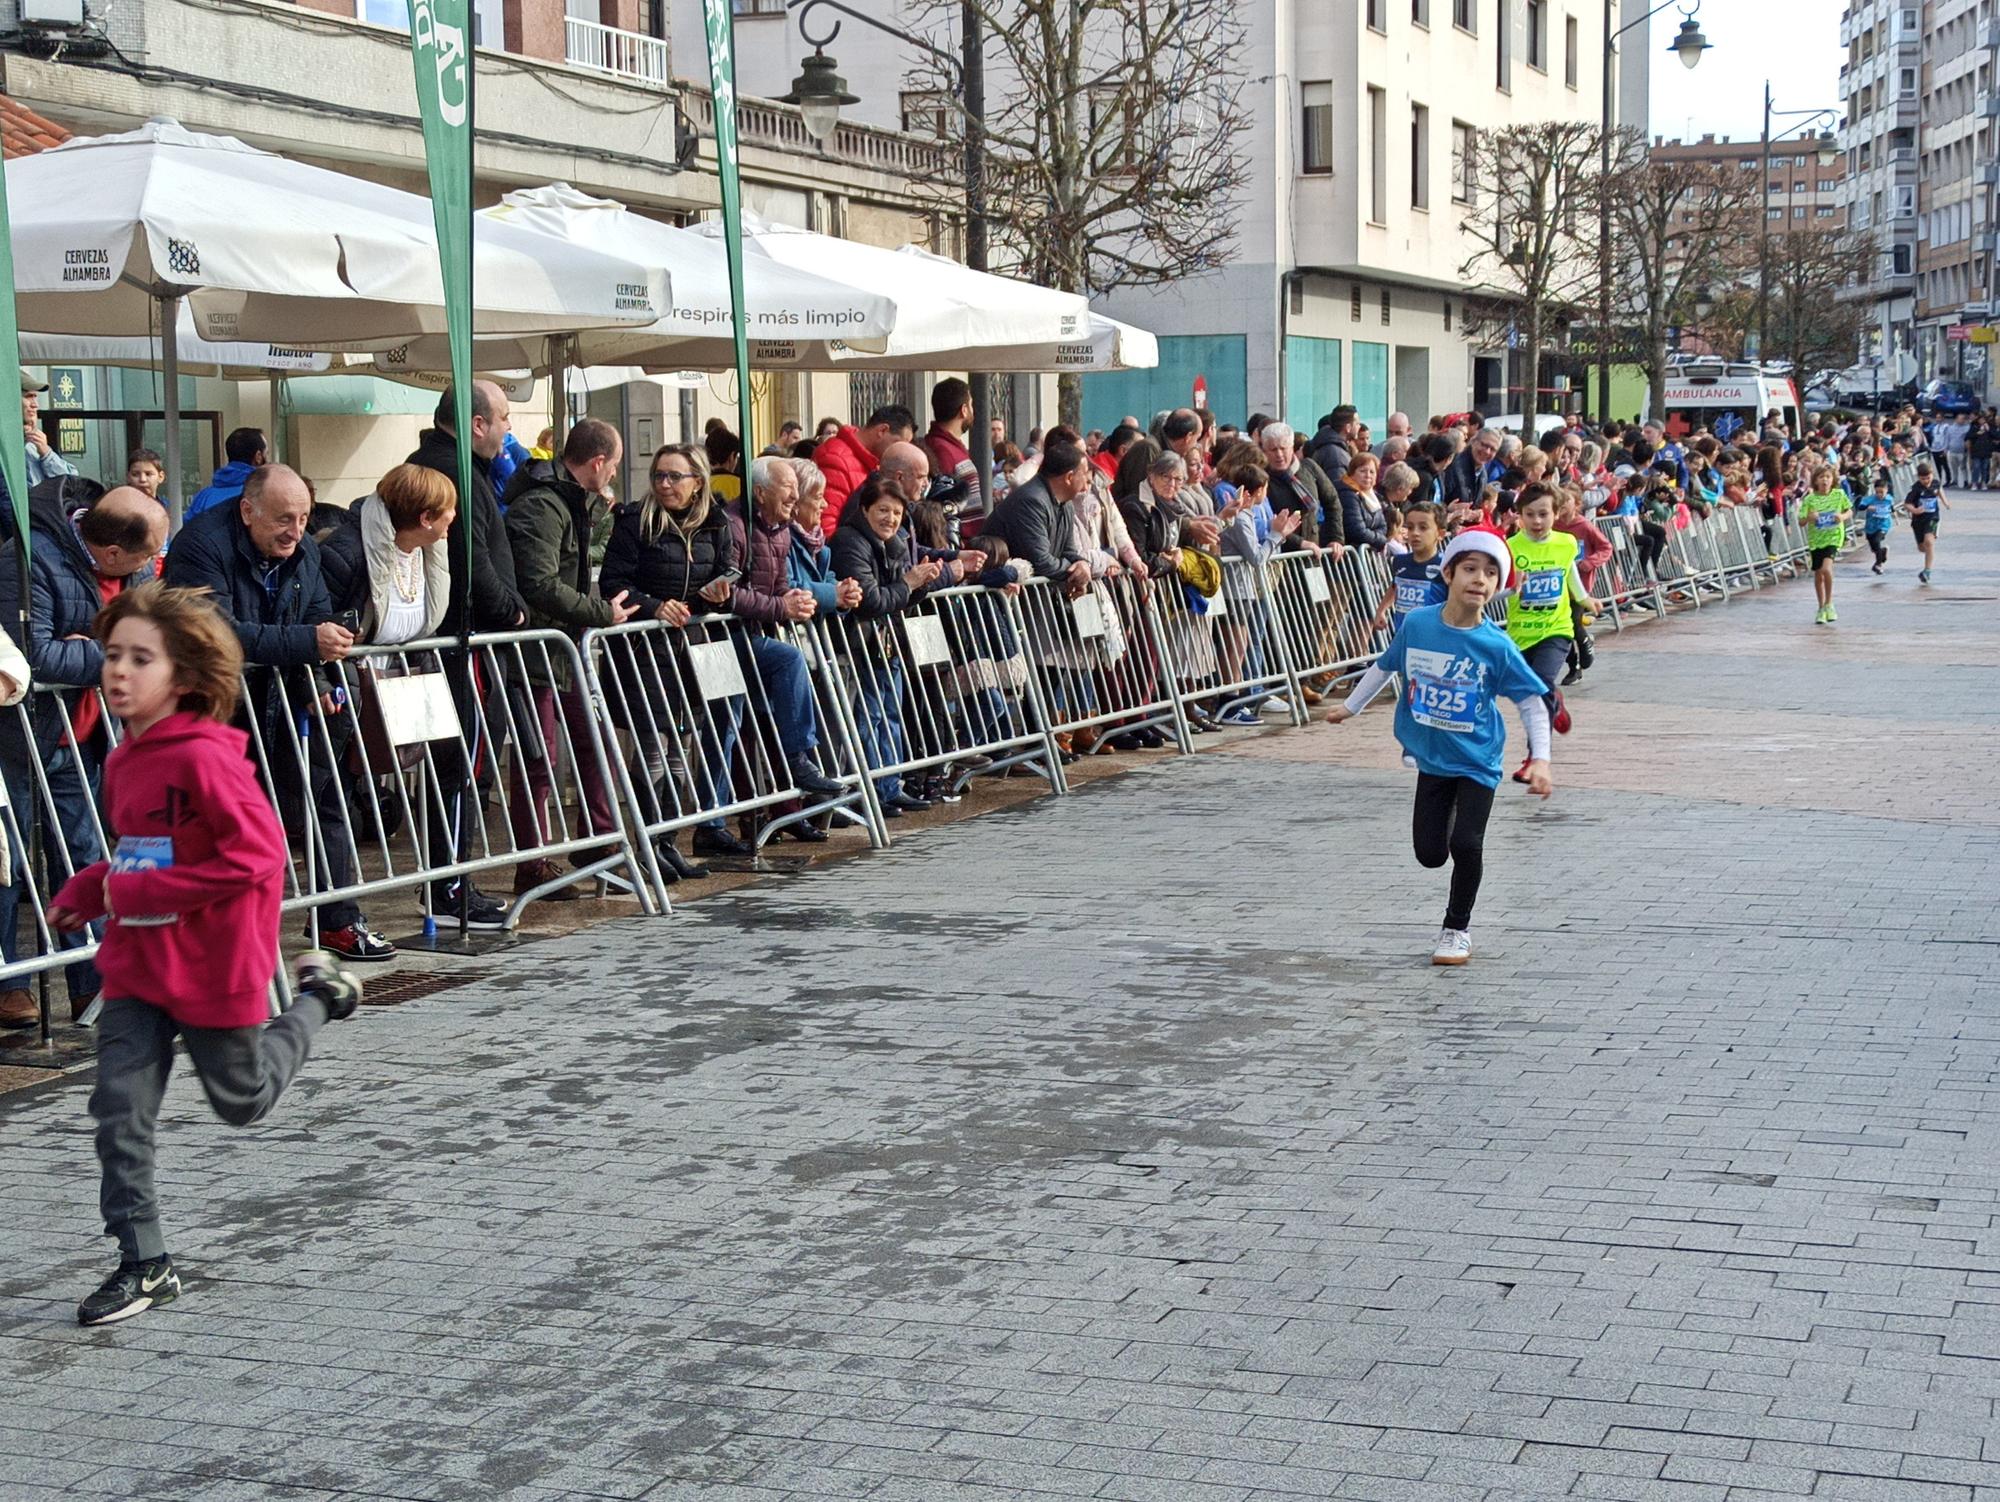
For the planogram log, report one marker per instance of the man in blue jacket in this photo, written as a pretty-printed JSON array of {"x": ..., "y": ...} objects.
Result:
[
  {"x": 263, "y": 569},
  {"x": 78, "y": 559},
  {"x": 247, "y": 450}
]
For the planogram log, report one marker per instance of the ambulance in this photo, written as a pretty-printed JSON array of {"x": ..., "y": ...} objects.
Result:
[{"x": 1727, "y": 398}]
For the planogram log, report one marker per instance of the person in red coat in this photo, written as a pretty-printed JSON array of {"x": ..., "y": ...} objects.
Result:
[
  {"x": 851, "y": 455},
  {"x": 191, "y": 901}
]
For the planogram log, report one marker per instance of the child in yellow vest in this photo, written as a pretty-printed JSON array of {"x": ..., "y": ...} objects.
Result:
[{"x": 1539, "y": 619}]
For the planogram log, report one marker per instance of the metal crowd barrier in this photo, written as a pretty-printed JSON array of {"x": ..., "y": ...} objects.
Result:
[
  {"x": 699, "y": 717},
  {"x": 423, "y": 765},
  {"x": 947, "y": 688},
  {"x": 1326, "y": 612},
  {"x": 393, "y": 779}
]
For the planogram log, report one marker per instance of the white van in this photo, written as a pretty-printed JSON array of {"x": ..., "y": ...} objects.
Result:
[{"x": 1727, "y": 399}]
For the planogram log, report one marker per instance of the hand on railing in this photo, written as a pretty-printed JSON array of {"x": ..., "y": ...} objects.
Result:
[
  {"x": 620, "y": 611},
  {"x": 673, "y": 612},
  {"x": 1077, "y": 580},
  {"x": 798, "y": 604},
  {"x": 847, "y": 594},
  {"x": 334, "y": 641}
]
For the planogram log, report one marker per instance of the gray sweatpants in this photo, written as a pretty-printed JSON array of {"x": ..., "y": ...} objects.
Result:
[{"x": 243, "y": 1070}]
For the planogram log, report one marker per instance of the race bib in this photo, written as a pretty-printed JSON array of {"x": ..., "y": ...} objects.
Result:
[
  {"x": 1411, "y": 594},
  {"x": 1444, "y": 691},
  {"x": 144, "y": 853},
  {"x": 1825, "y": 519},
  {"x": 1543, "y": 588}
]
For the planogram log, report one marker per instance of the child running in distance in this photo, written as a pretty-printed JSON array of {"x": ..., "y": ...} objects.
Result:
[
  {"x": 1416, "y": 578},
  {"x": 191, "y": 897},
  {"x": 1456, "y": 667},
  {"x": 1824, "y": 511},
  {"x": 1922, "y": 503},
  {"x": 1540, "y": 620},
  {"x": 1879, "y": 513}
]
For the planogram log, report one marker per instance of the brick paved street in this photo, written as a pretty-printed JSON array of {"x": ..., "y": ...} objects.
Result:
[{"x": 1126, "y": 1147}]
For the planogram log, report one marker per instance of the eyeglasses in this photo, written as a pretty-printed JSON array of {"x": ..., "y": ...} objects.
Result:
[{"x": 673, "y": 476}]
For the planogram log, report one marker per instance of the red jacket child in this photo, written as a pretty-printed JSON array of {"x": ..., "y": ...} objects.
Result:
[{"x": 196, "y": 879}]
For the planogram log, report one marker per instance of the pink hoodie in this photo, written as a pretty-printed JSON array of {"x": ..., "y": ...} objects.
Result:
[{"x": 196, "y": 879}]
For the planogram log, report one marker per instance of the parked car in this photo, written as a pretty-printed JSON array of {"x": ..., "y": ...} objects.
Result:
[{"x": 1947, "y": 397}]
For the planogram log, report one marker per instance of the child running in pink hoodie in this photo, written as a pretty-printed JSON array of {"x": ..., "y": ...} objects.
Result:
[{"x": 191, "y": 898}]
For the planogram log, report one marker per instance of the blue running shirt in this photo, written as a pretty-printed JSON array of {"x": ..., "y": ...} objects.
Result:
[{"x": 1448, "y": 717}]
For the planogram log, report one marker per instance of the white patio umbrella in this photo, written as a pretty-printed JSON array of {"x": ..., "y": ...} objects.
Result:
[
  {"x": 198, "y": 356},
  {"x": 795, "y": 316},
  {"x": 946, "y": 314},
  {"x": 1106, "y": 344},
  {"x": 112, "y": 232}
]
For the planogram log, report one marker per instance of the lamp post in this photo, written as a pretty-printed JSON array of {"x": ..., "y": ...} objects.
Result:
[
  {"x": 1827, "y": 153},
  {"x": 819, "y": 92},
  {"x": 1688, "y": 46}
]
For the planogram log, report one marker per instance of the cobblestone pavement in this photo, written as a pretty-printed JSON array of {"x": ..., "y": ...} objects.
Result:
[{"x": 1125, "y": 1146}]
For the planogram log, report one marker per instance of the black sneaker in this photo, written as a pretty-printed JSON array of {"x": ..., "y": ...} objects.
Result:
[
  {"x": 709, "y": 841},
  {"x": 319, "y": 974},
  {"x": 357, "y": 945},
  {"x": 482, "y": 912},
  {"x": 133, "y": 1289}
]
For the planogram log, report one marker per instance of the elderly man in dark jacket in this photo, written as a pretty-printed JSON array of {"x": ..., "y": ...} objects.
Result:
[
  {"x": 78, "y": 559},
  {"x": 263, "y": 569},
  {"x": 1034, "y": 522}
]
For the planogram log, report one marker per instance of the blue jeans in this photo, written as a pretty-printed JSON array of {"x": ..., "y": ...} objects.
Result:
[
  {"x": 787, "y": 684},
  {"x": 78, "y": 835},
  {"x": 986, "y": 716},
  {"x": 880, "y": 720},
  {"x": 1979, "y": 471}
]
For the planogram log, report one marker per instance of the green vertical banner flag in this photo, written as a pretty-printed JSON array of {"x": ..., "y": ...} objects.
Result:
[
  {"x": 13, "y": 441},
  {"x": 720, "y": 19},
  {"x": 440, "y": 46}
]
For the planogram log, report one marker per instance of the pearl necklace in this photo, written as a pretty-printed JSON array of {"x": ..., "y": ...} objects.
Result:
[{"x": 408, "y": 575}]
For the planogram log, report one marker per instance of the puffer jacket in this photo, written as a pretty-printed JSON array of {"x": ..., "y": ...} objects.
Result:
[
  {"x": 669, "y": 566},
  {"x": 1154, "y": 532},
  {"x": 877, "y": 566},
  {"x": 846, "y": 462}
]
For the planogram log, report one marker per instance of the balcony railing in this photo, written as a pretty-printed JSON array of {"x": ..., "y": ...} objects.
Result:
[{"x": 624, "y": 54}]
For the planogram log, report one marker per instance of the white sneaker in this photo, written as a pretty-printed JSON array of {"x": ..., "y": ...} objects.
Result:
[
  {"x": 1276, "y": 704},
  {"x": 1454, "y": 947}
]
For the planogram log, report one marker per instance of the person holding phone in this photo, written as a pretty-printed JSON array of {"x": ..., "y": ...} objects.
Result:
[{"x": 549, "y": 513}]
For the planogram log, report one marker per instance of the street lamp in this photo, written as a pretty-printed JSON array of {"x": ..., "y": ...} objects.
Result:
[
  {"x": 1828, "y": 153},
  {"x": 1689, "y": 44},
  {"x": 819, "y": 91}
]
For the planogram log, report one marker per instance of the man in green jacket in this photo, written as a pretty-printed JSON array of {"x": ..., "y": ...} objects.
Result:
[{"x": 549, "y": 513}]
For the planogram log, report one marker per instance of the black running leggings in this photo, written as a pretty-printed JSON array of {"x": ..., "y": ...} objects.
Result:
[
  {"x": 1651, "y": 542},
  {"x": 1449, "y": 823}
]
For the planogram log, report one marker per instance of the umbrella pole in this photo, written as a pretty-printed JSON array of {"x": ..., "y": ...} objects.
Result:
[{"x": 170, "y": 380}]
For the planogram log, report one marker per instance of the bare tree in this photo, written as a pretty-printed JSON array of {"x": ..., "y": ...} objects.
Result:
[
  {"x": 1112, "y": 128},
  {"x": 1812, "y": 325},
  {"x": 1679, "y": 227},
  {"x": 1532, "y": 224}
]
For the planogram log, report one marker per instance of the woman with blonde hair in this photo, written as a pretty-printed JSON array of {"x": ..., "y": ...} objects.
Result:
[{"x": 391, "y": 565}]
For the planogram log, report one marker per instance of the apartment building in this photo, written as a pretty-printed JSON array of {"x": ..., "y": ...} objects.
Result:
[
  {"x": 1347, "y": 282},
  {"x": 1880, "y": 94},
  {"x": 1958, "y": 143},
  {"x": 590, "y": 92},
  {"x": 1799, "y": 192}
]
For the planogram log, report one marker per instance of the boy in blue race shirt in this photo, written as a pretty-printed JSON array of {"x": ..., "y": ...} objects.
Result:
[
  {"x": 1416, "y": 578},
  {"x": 1456, "y": 667},
  {"x": 1922, "y": 503},
  {"x": 1878, "y": 506}
]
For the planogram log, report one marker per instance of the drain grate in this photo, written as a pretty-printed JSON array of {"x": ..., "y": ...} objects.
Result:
[{"x": 409, "y": 985}]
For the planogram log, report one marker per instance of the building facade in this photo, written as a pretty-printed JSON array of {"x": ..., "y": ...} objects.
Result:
[
  {"x": 1881, "y": 105},
  {"x": 1348, "y": 278},
  {"x": 1958, "y": 143},
  {"x": 589, "y": 93},
  {"x": 1799, "y": 192}
]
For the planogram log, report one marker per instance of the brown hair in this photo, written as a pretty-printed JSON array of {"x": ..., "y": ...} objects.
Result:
[
  {"x": 1540, "y": 490},
  {"x": 414, "y": 494},
  {"x": 1360, "y": 462},
  {"x": 207, "y": 658}
]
